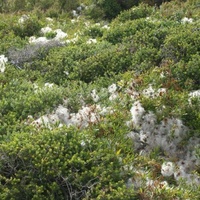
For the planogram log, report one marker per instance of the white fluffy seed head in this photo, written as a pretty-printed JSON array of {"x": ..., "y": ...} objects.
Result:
[{"x": 167, "y": 169}]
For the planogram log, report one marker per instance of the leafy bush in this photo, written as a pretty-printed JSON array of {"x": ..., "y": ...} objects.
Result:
[
  {"x": 176, "y": 10},
  {"x": 22, "y": 5},
  {"x": 94, "y": 31},
  {"x": 113, "y": 60},
  {"x": 20, "y": 98},
  {"x": 7, "y": 35},
  {"x": 132, "y": 89},
  {"x": 181, "y": 44},
  {"x": 109, "y": 8},
  {"x": 60, "y": 164},
  {"x": 188, "y": 73},
  {"x": 138, "y": 12},
  {"x": 129, "y": 28},
  {"x": 31, "y": 26},
  {"x": 67, "y": 60}
]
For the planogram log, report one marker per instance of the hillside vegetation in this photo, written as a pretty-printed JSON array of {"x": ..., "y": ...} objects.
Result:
[{"x": 99, "y": 100}]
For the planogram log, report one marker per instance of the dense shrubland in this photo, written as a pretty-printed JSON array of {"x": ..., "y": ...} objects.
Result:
[{"x": 99, "y": 100}]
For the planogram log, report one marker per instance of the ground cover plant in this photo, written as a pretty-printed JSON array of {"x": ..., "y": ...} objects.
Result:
[{"x": 100, "y": 101}]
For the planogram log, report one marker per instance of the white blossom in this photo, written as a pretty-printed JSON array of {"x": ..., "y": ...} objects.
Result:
[
  {"x": 23, "y": 18},
  {"x": 39, "y": 40},
  {"x": 46, "y": 120},
  {"x": 90, "y": 41},
  {"x": 194, "y": 94},
  {"x": 49, "y": 19},
  {"x": 112, "y": 88},
  {"x": 186, "y": 20},
  {"x": 106, "y": 27},
  {"x": 59, "y": 34},
  {"x": 3, "y": 61},
  {"x": 94, "y": 96},
  {"x": 167, "y": 169},
  {"x": 149, "y": 92},
  {"x": 113, "y": 96},
  {"x": 49, "y": 85},
  {"x": 46, "y": 30},
  {"x": 66, "y": 73},
  {"x": 74, "y": 13},
  {"x": 137, "y": 112}
]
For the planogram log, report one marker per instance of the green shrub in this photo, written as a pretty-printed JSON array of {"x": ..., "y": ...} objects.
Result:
[
  {"x": 138, "y": 12},
  {"x": 119, "y": 31},
  {"x": 188, "y": 73},
  {"x": 60, "y": 164},
  {"x": 109, "y": 8},
  {"x": 113, "y": 60},
  {"x": 181, "y": 43},
  {"x": 7, "y": 35},
  {"x": 66, "y": 59},
  {"x": 93, "y": 12},
  {"x": 20, "y": 98},
  {"x": 31, "y": 26},
  {"x": 94, "y": 31}
]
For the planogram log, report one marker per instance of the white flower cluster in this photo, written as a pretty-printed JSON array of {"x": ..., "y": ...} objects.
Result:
[
  {"x": 46, "y": 120},
  {"x": 95, "y": 96},
  {"x": 141, "y": 179},
  {"x": 155, "y": 184},
  {"x": 194, "y": 94},
  {"x": 83, "y": 118},
  {"x": 76, "y": 13},
  {"x": 3, "y": 61},
  {"x": 49, "y": 19},
  {"x": 167, "y": 136},
  {"x": 33, "y": 40},
  {"x": 38, "y": 89},
  {"x": 23, "y": 18},
  {"x": 60, "y": 35},
  {"x": 149, "y": 92},
  {"x": 112, "y": 89},
  {"x": 46, "y": 30},
  {"x": 186, "y": 20},
  {"x": 39, "y": 40},
  {"x": 91, "y": 41},
  {"x": 182, "y": 169},
  {"x": 167, "y": 169},
  {"x": 152, "y": 93},
  {"x": 137, "y": 112},
  {"x": 106, "y": 27}
]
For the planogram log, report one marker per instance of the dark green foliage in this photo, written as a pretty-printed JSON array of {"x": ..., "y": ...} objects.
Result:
[
  {"x": 111, "y": 8},
  {"x": 23, "y": 99},
  {"x": 60, "y": 164},
  {"x": 138, "y": 12},
  {"x": 182, "y": 43},
  {"x": 143, "y": 47},
  {"x": 192, "y": 116},
  {"x": 31, "y": 26},
  {"x": 7, "y": 35},
  {"x": 68, "y": 59},
  {"x": 113, "y": 60},
  {"x": 129, "y": 28},
  {"x": 94, "y": 31},
  {"x": 188, "y": 73}
]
